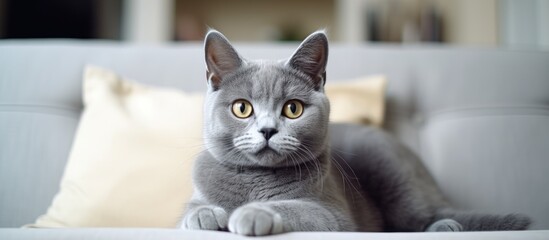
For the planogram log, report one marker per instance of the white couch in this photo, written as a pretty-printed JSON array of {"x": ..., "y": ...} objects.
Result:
[{"x": 479, "y": 118}]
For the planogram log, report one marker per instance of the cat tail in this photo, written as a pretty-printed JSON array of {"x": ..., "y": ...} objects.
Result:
[{"x": 486, "y": 222}]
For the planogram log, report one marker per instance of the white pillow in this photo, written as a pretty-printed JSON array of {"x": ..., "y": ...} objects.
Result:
[{"x": 132, "y": 156}]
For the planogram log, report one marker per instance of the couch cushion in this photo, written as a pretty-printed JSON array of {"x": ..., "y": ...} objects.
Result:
[
  {"x": 177, "y": 234},
  {"x": 492, "y": 159},
  {"x": 34, "y": 146}
]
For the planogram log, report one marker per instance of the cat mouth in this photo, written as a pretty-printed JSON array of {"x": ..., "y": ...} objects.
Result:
[
  {"x": 267, "y": 156},
  {"x": 266, "y": 150}
]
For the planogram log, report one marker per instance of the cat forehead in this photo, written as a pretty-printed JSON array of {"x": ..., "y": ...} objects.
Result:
[{"x": 267, "y": 79}]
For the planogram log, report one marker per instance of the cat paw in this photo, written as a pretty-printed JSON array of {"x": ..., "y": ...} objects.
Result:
[
  {"x": 255, "y": 220},
  {"x": 205, "y": 218},
  {"x": 445, "y": 225}
]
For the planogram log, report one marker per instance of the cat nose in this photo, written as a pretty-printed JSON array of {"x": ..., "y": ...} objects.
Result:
[{"x": 268, "y": 132}]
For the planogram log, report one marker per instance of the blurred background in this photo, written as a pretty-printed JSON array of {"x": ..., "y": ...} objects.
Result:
[{"x": 498, "y": 23}]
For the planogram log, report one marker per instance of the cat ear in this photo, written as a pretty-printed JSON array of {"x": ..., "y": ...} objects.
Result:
[
  {"x": 221, "y": 58},
  {"x": 311, "y": 57}
]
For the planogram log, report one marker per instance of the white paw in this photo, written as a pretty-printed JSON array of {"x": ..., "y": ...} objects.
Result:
[
  {"x": 255, "y": 220},
  {"x": 205, "y": 218},
  {"x": 445, "y": 225}
]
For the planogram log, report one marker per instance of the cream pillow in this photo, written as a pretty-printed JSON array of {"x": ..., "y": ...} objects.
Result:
[
  {"x": 131, "y": 160},
  {"x": 359, "y": 101}
]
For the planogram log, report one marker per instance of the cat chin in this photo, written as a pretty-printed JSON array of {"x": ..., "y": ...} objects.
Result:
[{"x": 268, "y": 158}]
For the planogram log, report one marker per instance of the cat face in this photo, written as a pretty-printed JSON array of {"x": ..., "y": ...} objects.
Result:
[{"x": 266, "y": 113}]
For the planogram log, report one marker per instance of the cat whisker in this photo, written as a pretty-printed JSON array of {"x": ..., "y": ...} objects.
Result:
[
  {"x": 346, "y": 178},
  {"x": 304, "y": 161},
  {"x": 316, "y": 164},
  {"x": 296, "y": 163},
  {"x": 350, "y": 168}
]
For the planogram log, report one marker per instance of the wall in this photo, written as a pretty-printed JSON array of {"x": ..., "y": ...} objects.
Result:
[
  {"x": 465, "y": 22},
  {"x": 471, "y": 22},
  {"x": 147, "y": 21},
  {"x": 525, "y": 23},
  {"x": 244, "y": 20}
]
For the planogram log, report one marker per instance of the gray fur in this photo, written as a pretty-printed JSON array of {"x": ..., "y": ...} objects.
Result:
[{"x": 309, "y": 176}]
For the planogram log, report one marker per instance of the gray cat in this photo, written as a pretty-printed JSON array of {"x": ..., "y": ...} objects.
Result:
[{"x": 273, "y": 164}]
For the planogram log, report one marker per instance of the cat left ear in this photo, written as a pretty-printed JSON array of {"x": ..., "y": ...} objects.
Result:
[
  {"x": 221, "y": 58},
  {"x": 311, "y": 57}
]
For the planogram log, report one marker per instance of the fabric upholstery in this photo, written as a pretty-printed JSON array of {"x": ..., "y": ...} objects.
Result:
[
  {"x": 504, "y": 151},
  {"x": 177, "y": 234}
]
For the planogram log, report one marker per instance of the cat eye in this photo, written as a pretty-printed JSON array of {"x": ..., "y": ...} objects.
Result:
[
  {"x": 242, "y": 108},
  {"x": 293, "y": 109}
]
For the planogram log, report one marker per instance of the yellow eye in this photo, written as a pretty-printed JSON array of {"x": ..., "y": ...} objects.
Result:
[
  {"x": 242, "y": 108},
  {"x": 293, "y": 109}
]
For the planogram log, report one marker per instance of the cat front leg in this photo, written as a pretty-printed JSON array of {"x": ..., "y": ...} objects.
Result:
[
  {"x": 273, "y": 217},
  {"x": 204, "y": 217}
]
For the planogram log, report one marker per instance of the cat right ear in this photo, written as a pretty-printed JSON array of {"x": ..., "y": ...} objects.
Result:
[
  {"x": 311, "y": 58},
  {"x": 221, "y": 58}
]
